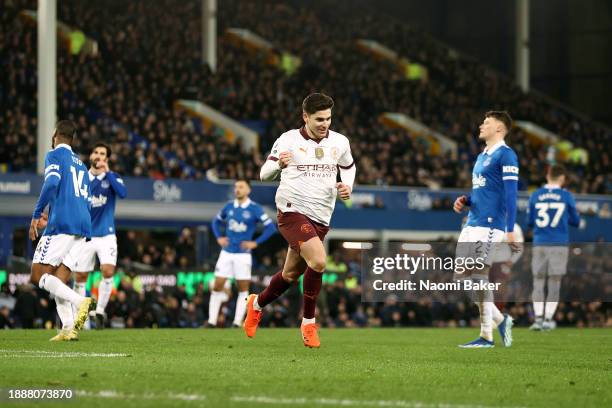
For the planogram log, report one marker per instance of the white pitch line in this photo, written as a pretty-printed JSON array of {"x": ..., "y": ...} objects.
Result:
[
  {"x": 56, "y": 354},
  {"x": 351, "y": 403},
  {"x": 148, "y": 396}
]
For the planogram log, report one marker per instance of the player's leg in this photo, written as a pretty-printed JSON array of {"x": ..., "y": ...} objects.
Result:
[
  {"x": 105, "y": 289},
  {"x": 80, "y": 283},
  {"x": 217, "y": 296},
  {"x": 224, "y": 270},
  {"x": 313, "y": 253},
  {"x": 50, "y": 252},
  {"x": 557, "y": 269},
  {"x": 242, "y": 269},
  {"x": 106, "y": 250},
  {"x": 479, "y": 242},
  {"x": 539, "y": 266},
  {"x": 281, "y": 281},
  {"x": 63, "y": 307},
  {"x": 241, "y": 301},
  {"x": 69, "y": 264},
  {"x": 293, "y": 268}
]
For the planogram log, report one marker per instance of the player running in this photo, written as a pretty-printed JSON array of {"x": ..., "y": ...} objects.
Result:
[
  {"x": 65, "y": 190},
  {"x": 492, "y": 206},
  {"x": 105, "y": 187},
  {"x": 308, "y": 160},
  {"x": 551, "y": 210},
  {"x": 240, "y": 218}
]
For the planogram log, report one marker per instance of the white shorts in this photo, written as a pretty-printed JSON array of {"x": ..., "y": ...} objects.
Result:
[
  {"x": 105, "y": 248},
  {"x": 57, "y": 249},
  {"x": 237, "y": 266},
  {"x": 549, "y": 260},
  {"x": 479, "y": 242}
]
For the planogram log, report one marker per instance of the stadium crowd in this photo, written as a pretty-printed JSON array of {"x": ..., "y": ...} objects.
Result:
[{"x": 126, "y": 93}]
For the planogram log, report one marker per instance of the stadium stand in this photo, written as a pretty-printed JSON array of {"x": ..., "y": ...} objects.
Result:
[
  {"x": 126, "y": 94},
  {"x": 150, "y": 56}
]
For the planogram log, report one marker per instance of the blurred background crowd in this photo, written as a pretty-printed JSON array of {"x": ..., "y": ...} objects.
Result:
[{"x": 126, "y": 92}]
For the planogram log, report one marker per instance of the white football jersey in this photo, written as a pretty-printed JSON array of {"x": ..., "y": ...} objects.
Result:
[{"x": 308, "y": 183}]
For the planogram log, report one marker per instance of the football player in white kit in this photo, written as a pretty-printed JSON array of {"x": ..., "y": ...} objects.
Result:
[{"x": 308, "y": 161}]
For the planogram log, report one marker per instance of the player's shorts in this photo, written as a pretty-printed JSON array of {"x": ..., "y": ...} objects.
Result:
[
  {"x": 237, "y": 266},
  {"x": 549, "y": 260},
  {"x": 296, "y": 228},
  {"x": 105, "y": 248},
  {"x": 57, "y": 249},
  {"x": 479, "y": 242}
]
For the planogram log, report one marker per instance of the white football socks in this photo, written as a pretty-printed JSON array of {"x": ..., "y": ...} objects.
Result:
[
  {"x": 104, "y": 291},
  {"x": 57, "y": 288},
  {"x": 256, "y": 304},
  {"x": 79, "y": 287},
  {"x": 537, "y": 297},
  {"x": 241, "y": 306},
  {"x": 552, "y": 297},
  {"x": 216, "y": 299},
  {"x": 498, "y": 317},
  {"x": 64, "y": 310}
]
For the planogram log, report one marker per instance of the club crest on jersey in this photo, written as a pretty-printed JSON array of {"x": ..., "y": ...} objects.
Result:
[
  {"x": 487, "y": 162},
  {"x": 334, "y": 153},
  {"x": 319, "y": 153},
  {"x": 105, "y": 184},
  {"x": 246, "y": 215},
  {"x": 478, "y": 181}
]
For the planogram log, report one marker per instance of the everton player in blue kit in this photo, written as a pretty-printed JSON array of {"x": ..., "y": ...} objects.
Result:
[
  {"x": 240, "y": 218},
  {"x": 66, "y": 192},
  {"x": 492, "y": 206},
  {"x": 551, "y": 210},
  {"x": 105, "y": 187}
]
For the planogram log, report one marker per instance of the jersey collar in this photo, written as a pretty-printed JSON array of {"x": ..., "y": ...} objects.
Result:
[
  {"x": 244, "y": 205},
  {"x": 64, "y": 145},
  {"x": 490, "y": 150},
  {"x": 305, "y": 135},
  {"x": 99, "y": 176},
  {"x": 552, "y": 186}
]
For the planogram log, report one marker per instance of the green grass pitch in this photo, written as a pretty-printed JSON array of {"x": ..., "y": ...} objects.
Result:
[{"x": 418, "y": 368}]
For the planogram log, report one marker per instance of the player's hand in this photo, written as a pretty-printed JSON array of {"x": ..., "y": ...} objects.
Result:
[
  {"x": 223, "y": 241},
  {"x": 284, "y": 158},
  {"x": 248, "y": 245},
  {"x": 514, "y": 246},
  {"x": 42, "y": 222},
  {"x": 103, "y": 165},
  {"x": 344, "y": 191},
  {"x": 34, "y": 228},
  {"x": 460, "y": 204}
]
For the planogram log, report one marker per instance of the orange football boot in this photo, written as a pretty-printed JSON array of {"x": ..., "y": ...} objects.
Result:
[
  {"x": 310, "y": 335},
  {"x": 252, "y": 317}
]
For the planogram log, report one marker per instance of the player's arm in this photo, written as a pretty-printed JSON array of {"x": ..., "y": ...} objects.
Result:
[
  {"x": 268, "y": 231},
  {"x": 217, "y": 223},
  {"x": 348, "y": 170},
  {"x": 116, "y": 183},
  {"x": 277, "y": 160},
  {"x": 572, "y": 211},
  {"x": 269, "y": 227},
  {"x": 510, "y": 173},
  {"x": 47, "y": 193},
  {"x": 115, "y": 180}
]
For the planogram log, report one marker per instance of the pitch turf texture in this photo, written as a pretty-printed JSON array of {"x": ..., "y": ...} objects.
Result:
[{"x": 354, "y": 368}]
